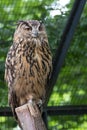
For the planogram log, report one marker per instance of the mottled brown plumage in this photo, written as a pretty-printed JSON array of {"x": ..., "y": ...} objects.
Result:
[{"x": 28, "y": 64}]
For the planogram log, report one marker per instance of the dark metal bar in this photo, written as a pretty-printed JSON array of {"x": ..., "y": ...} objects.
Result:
[
  {"x": 67, "y": 110},
  {"x": 65, "y": 43},
  {"x": 53, "y": 111},
  {"x": 5, "y": 111},
  {"x": 44, "y": 116}
]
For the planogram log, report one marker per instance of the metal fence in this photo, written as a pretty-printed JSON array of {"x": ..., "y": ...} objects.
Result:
[
  {"x": 64, "y": 118},
  {"x": 71, "y": 114}
]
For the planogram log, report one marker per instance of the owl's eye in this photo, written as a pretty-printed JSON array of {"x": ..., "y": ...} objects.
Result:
[
  {"x": 27, "y": 28},
  {"x": 40, "y": 28}
]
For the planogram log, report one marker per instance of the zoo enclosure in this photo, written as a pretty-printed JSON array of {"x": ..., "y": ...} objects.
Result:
[{"x": 65, "y": 110}]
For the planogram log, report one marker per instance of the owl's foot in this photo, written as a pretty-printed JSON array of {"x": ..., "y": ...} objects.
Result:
[
  {"x": 40, "y": 105},
  {"x": 39, "y": 102},
  {"x": 33, "y": 107}
]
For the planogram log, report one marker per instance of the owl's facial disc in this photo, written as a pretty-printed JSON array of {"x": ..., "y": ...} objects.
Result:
[{"x": 31, "y": 28}]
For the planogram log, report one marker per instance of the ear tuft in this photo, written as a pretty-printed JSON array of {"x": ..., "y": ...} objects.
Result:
[{"x": 19, "y": 22}]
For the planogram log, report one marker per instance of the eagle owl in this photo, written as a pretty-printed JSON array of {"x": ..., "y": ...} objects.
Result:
[{"x": 28, "y": 64}]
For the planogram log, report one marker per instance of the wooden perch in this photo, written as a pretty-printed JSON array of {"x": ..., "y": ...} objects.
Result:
[{"x": 30, "y": 119}]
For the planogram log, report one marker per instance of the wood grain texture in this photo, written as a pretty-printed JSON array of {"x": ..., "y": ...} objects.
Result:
[{"x": 28, "y": 121}]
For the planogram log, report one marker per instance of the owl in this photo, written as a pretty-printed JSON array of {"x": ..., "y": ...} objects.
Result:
[{"x": 28, "y": 64}]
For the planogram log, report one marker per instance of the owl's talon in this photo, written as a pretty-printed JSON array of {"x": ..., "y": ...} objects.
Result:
[
  {"x": 31, "y": 102},
  {"x": 39, "y": 102},
  {"x": 33, "y": 107}
]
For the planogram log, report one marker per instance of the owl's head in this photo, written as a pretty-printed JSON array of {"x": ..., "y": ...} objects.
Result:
[{"x": 30, "y": 29}]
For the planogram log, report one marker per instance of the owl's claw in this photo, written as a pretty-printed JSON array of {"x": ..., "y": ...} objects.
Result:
[
  {"x": 31, "y": 101},
  {"x": 33, "y": 107},
  {"x": 39, "y": 102}
]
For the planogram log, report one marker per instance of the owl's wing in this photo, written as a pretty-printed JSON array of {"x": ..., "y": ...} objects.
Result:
[
  {"x": 9, "y": 77},
  {"x": 48, "y": 55},
  {"x": 9, "y": 66}
]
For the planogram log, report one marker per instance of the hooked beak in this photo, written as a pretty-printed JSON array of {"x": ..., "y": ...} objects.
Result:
[{"x": 34, "y": 33}]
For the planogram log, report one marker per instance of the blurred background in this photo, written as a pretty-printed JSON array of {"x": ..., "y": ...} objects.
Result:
[{"x": 71, "y": 86}]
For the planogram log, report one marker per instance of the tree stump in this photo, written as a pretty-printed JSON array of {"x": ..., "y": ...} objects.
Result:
[{"x": 30, "y": 118}]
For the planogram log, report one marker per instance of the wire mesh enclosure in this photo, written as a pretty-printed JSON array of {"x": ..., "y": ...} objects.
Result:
[{"x": 67, "y": 100}]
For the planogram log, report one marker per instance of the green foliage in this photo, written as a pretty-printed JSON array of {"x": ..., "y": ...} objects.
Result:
[
  {"x": 68, "y": 122},
  {"x": 70, "y": 87},
  {"x": 7, "y": 123},
  {"x": 74, "y": 71}
]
